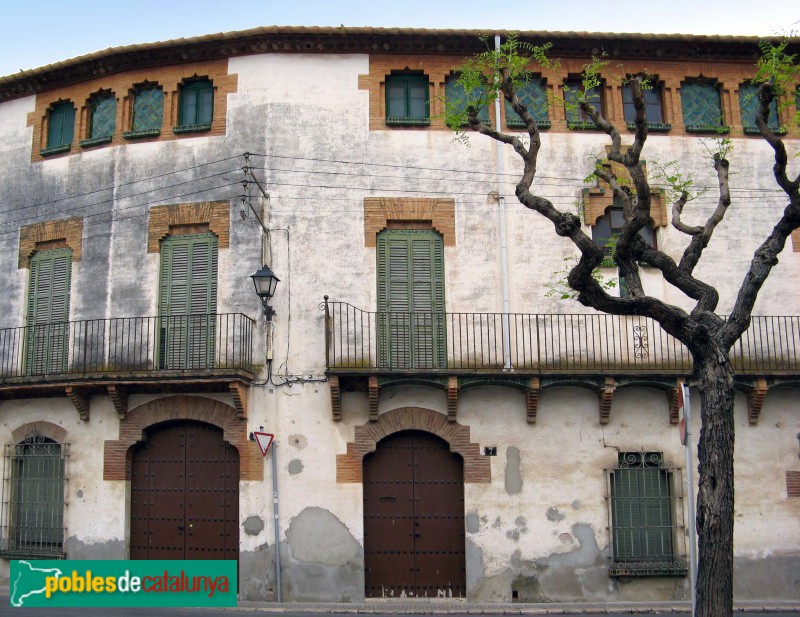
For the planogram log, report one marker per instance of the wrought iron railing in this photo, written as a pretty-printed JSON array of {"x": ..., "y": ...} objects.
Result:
[
  {"x": 537, "y": 343},
  {"x": 128, "y": 345}
]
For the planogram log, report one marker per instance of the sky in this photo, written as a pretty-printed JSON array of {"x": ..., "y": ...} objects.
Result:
[{"x": 39, "y": 32}]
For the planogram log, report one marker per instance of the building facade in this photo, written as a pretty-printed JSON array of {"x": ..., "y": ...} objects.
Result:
[{"x": 444, "y": 427}]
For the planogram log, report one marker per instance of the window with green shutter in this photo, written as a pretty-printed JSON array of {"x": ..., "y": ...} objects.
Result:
[
  {"x": 196, "y": 106},
  {"x": 702, "y": 107},
  {"x": 642, "y": 509},
  {"x": 532, "y": 94},
  {"x": 458, "y": 100},
  {"x": 48, "y": 312},
  {"x": 148, "y": 112},
  {"x": 187, "y": 302},
  {"x": 33, "y": 499},
  {"x": 60, "y": 128},
  {"x": 411, "y": 317},
  {"x": 748, "y": 105},
  {"x": 407, "y": 100}
]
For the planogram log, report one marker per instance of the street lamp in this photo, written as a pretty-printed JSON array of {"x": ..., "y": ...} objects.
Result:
[{"x": 265, "y": 282}]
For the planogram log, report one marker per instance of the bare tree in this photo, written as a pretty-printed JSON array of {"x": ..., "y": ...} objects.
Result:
[{"x": 708, "y": 336}]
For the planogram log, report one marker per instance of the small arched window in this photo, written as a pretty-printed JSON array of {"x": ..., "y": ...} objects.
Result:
[
  {"x": 148, "y": 112},
  {"x": 608, "y": 227},
  {"x": 196, "y": 106},
  {"x": 102, "y": 119},
  {"x": 60, "y": 128}
]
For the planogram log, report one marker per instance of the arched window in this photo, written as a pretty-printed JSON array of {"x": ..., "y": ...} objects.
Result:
[
  {"x": 60, "y": 128},
  {"x": 148, "y": 112},
  {"x": 701, "y": 103},
  {"x": 748, "y": 105},
  {"x": 102, "y": 119},
  {"x": 33, "y": 499},
  {"x": 407, "y": 100},
  {"x": 576, "y": 118},
  {"x": 196, "y": 106},
  {"x": 532, "y": 94},
  {"x": 608, "y": 227},
  {"x": 457, "y": 98}
]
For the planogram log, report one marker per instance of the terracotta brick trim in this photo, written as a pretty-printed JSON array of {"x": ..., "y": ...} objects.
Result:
[
  {"x": 796, "y": 240},
  {"x": 123, "y": 87},
  {"x": 597, "y": 199},
  {"x": 41, "y": 236},
  {"x": 350, "y": 466},
  {"x": 379, "y": 212},
  {"x": 117, "y": 453},
  {"x": 45, "y": 429},
  {"x": 215, "y": 214}
]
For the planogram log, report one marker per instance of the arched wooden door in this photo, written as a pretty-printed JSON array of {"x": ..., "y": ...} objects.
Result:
[
  {"x": 185, "y": 494},
  {"x": 414, "y": 518}
]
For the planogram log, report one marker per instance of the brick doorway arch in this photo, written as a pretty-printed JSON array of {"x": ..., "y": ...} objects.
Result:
[{"x": 349, "y": 466}]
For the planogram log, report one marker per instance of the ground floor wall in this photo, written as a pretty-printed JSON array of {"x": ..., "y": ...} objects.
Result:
[{"x": 536, "y": 516}]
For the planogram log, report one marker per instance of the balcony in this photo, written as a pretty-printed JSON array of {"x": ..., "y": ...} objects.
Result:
[
  {"x": 369, "y": 350},
  {"x": 122, "y": 356}
]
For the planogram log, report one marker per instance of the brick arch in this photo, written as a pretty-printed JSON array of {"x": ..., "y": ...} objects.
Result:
[
  {"x": 117, "y": 453},
  {"x": 45, "y": 429},
  {"x": 349, "y": 466}
]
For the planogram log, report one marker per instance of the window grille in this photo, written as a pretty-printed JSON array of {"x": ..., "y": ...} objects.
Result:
[
  {"x": 32, "y": 508},
  {"x": 702, "y": 107},
  {"x": 646, "y": 518},
  {"x": 532, "y": 94},
  {"x": 748, "y": 105},
  {"x": 104, "y": 116},
  {"x": 456, "y": 96},
  {"x": 148, "y": 112}
]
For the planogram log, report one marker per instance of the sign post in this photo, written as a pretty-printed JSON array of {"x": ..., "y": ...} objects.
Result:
[
  {"x": 266, "y": 441},
  {"x": 685, "y": 426}
]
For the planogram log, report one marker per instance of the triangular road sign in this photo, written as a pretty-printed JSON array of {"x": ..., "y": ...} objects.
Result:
[{"x": 264, "y": 441}]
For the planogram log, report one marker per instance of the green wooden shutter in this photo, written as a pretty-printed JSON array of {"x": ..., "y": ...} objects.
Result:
[
  {"x": 411, "y": 320},
  {"x": 48, "y": 312},
  {"x": 61, "y": 125},
  {"x": 188, "y": 301}
]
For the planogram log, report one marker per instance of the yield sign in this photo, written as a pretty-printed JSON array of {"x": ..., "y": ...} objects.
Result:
[{"x": 264, "y": 441}]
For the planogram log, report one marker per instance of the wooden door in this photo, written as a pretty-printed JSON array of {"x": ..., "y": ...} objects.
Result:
[
  {"x": 414, "y": 518},
  {"x": 185, "y": 494}
]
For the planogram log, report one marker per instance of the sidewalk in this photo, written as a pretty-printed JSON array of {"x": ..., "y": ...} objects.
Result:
[{"x": 464, "y": 608}]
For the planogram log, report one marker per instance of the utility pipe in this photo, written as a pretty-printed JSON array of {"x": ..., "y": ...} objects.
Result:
[{"x": 501, "y": 202}]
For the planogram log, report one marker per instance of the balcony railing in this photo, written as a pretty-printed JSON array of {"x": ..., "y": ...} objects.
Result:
[
  {"x": 126, "y": 345},
  {"x": 358, "y": 340}
]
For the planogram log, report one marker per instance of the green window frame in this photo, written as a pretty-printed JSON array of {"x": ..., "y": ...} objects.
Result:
[
  {"x": 148, "y": 112},
  {"x": 576, "y": 118},
  {"x": 195, "y": 106},
  {"x": 47, "y": 329},
  {"x": 188, "y": 302},
  {"x": 60, "y": 128},
  {"x": 102, "y": 120},
  {"x": 532, "y": 94},
  {"x": 407, "y": 100},
  {"x": 748, "y": 106},
  {"x": 654, "y": 107},
  {"x": 411, "y": 308},
  {"x": 701, "y": 104},
  {"x": 457, "y": 99},
  {"x": 643, "y": 504},
  {"x": 32, "y": 517}
]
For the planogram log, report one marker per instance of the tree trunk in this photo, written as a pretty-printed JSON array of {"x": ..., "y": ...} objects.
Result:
[{"x": 715, "y": 492}]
